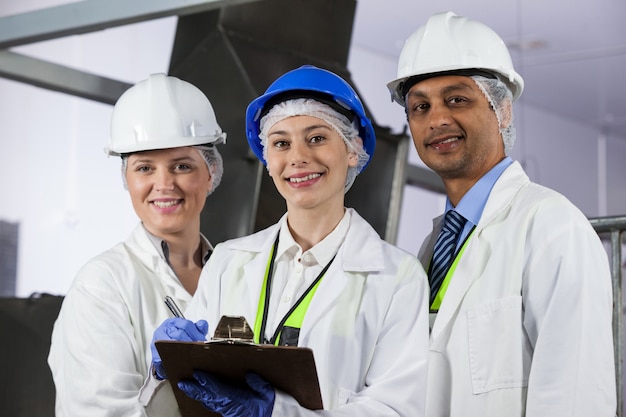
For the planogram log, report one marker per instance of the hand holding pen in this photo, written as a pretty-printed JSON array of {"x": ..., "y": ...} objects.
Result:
[
  {"x": 201, "y": 325},
  {"x": 175, "y": 328}
]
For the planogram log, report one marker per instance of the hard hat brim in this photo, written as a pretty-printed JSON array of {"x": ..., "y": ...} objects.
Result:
[{"x": 165, "y": 143}]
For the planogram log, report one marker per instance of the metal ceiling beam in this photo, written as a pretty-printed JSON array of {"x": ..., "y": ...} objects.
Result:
[
  {"x": 59, "y": 78},
  {"x": 92, "y": 15},
  {"x": 424, "y": 178},
  {"x": 78, "y": 18}
]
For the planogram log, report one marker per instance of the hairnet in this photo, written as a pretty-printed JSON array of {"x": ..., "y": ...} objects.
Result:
[
  {"x": 500, "y": 98},
  {"x": 310, "y": 107},
  {"x": 211, "y": 156},
  {"x": 214, "y": 162}
]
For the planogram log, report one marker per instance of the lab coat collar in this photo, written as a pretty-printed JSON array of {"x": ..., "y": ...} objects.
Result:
[
  {"x": 323, "y": 252},
  {"x": 141, "y": 245},
  {"x": 361, "y": 250},
  {"x": 512, "y": 180},
  {"x": 162, "y": 247}
]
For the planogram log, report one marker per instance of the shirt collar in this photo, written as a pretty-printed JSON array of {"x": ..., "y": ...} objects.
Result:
[
  {"x": 322, "y": 252},
  {"x": 163, "y": 248},
  {"x": 473, "y": 202}
]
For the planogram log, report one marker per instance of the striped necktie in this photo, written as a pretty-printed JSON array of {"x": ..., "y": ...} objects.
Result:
[{"x": 444, "y": 250}]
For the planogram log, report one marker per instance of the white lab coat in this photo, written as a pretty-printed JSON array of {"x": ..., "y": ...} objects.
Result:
[
  {"x": 525, "y": 325},
  {"x": 100, "y": 351},
  {"x": 367, "y": 323}
]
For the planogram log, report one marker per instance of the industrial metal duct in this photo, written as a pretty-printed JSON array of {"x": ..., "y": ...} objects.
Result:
[{"x": 233, "y": 54}]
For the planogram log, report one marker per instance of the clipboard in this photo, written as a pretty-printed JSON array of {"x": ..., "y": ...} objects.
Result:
[{"x": 288, "y": 368}]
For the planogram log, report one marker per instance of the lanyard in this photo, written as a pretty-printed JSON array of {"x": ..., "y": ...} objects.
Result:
[
  {"x": 446, "y": 281},
  {"x": 299, "y": 307}
]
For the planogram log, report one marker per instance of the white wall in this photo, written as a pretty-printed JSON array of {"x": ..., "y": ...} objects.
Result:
[
  {"x": 68, "y": 197},
  {"x": 569, "y": 157},
  {"x": 57, "y": 182}
]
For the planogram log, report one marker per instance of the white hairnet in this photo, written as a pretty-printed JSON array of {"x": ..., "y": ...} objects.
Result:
[
  {"x": 310, "y": 107},
  {"x": 211, "y": 156},
  {"x": 214, "y": 162},
  {"x": 500, "y": 98}
]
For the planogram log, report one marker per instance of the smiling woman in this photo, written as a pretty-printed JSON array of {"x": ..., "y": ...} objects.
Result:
[
  {"x": 320, "y": 278},
  {"x": 165, "y": 132}
]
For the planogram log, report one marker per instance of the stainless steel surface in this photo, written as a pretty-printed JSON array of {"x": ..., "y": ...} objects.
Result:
[
  {"x": 398, "y": 182},
  {"x": 608, "y": 224},
  {"x": 615, "y": 227}
]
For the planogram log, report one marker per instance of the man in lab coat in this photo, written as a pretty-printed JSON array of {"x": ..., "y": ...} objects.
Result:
[{"x": 521, "y": 308}]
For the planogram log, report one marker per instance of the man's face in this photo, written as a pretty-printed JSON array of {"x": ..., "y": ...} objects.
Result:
[{"x": 454, "y": 129}]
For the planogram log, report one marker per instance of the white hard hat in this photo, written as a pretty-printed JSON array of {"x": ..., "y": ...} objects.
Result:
[
  {"x": 454, "y": 44},
  {"x": 162, "y": 112}
]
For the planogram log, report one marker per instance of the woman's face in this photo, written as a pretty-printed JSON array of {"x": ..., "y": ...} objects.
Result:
[
  {"x": 168, "y": 189},
  {"x": 308, "y": 161}
]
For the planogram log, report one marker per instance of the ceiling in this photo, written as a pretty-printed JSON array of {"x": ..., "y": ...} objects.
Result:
[{"x": 571, "y": 53}]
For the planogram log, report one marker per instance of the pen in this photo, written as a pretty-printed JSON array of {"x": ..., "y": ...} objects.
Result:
[{"x": 171, "y": 304}]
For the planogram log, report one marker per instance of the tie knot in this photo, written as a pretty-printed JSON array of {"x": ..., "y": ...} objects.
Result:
[{"x": 454, "y": 221}]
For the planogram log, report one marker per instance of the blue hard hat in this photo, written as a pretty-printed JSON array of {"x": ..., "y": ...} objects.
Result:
[{"x": 309, "y": 81}]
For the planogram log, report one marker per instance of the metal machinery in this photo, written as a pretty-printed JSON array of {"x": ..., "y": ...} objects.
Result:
[
  {"x": 233, "y": 54},
  {"x": 611, "y": 229}
]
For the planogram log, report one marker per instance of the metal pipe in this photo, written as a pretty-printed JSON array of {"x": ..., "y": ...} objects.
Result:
[
  {"x": 618, "y": 316},
  {"x": 615, "y": 226},
  {"x": 608, "y": 224}
]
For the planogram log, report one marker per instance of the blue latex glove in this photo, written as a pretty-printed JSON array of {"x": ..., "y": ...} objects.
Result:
[
  {"x": 176, "y": 329},
  {"x": 228, "y": 400}
]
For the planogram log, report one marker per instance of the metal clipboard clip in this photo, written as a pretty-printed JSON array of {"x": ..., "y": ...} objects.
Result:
[{"x": 233, "y": 329}]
